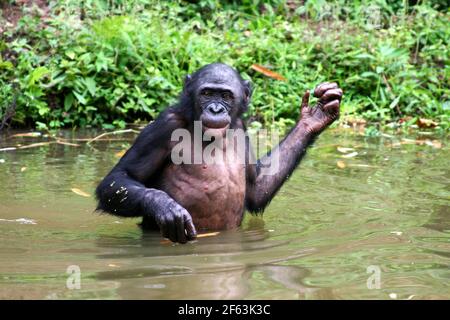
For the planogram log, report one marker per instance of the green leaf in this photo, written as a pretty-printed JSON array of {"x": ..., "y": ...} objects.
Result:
[
  {"x": 107, "y": 126},
  {"x": 369, "y": 74},
  {"x": 42, "y": 110},
  {"x": 90, "y": 85},
  {"x": 41, "y": 126},
  {"x": 37, "y": 74},
  {"x": 6, "y": 65},
  {"x": 90, "y": 108},
  {"x": 70, "y": 54},
  {"x": 101, "y": 62},
  {"x": 395, "y": 102},
  {"x": 80, "y": 97},
  {"x": 365, "y": 56},
  {"x": 68, "y": 101}
]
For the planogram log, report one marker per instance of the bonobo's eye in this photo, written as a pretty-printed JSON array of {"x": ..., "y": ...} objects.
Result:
[
  {"x": 206, "y": 93},
  {"x": 227, "y": 96}
]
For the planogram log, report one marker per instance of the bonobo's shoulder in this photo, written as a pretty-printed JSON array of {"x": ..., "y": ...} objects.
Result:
[
  {"x": 160, "y": 130},
  {"x": 168, "y": 119},
  {"x": 239, "y": 124}
]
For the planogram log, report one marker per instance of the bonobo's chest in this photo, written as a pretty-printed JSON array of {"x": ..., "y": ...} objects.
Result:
[{"x": 212, "y": 193}]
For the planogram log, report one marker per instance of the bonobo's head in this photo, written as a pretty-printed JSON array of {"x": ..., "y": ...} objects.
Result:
[{"x": 218, "y": 95}]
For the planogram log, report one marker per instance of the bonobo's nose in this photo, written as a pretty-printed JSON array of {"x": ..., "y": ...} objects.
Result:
[{"x": 216, "y": 108}]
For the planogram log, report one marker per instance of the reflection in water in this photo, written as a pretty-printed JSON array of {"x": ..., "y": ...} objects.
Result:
[
  {"x": 439, "y": 219},
  {"x": 388, "y": 207},
  {"x": 219, "y": 267}
]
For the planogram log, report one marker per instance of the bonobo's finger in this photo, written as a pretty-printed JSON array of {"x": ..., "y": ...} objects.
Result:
[
  {"x": 321, "y": 88},
  {"x": 191, "y": 233},
  {"x": 179, "y": 224},
  {"x": 172, "y": 231},
  {"x": 305, "y": 100},
  {"x": 164, "y": 230},
  {"x": 332, "y": 94},
  {"x": 332, "y": 108}
]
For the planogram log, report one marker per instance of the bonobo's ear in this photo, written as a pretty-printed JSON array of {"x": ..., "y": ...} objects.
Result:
[
  {"x": 248, "y": 89},
  {"x": 187, "y": 79}
]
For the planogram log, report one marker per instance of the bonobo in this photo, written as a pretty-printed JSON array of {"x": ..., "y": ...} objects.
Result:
[{"x": 181, "y": 198}]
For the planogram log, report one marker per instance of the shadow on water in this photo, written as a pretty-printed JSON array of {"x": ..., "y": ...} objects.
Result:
[{"x": 387, "y": 206}]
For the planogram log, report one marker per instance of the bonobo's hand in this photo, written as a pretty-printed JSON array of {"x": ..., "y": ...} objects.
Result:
[
  {"x": 174, "y": 221},
  {"x": 316, "y": 119}
]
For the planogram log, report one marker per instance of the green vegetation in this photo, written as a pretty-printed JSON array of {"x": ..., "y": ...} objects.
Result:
[{"x": 93, "y": 63}]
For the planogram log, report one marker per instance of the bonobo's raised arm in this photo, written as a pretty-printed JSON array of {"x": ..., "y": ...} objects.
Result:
[
  {"x": 123, "y": 192},
  {"x": 261, "y": 188}
]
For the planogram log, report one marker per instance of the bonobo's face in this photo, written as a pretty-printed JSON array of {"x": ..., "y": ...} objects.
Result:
[
  {"x": 216, "y": 105},
  {"x": 220, "y": 96}
]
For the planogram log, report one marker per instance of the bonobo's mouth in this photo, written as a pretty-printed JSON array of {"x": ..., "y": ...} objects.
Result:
[
  {"x": 215, "y": 123},
  {"x": 213, "y": 128},
  {"x": 215, "y": 132}
]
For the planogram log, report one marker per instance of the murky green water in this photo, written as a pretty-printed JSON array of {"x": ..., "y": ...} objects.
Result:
[{"x": 387, "y": 208}]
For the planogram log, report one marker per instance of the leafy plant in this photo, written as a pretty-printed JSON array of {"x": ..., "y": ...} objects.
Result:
[{"x": 106, "y": 64}]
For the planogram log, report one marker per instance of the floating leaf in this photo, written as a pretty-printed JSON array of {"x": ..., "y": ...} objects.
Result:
[
  {"x": 350, "y": 155},
  {"x": 361, "y": 165},
  {"x": 120, "y": 153},
  {"x": 20, "y": 220},
  {"x": 80, "y": 192},
  {"x": 434, "y": 143},
  {"x": 267, "y": 72},
  {"x": 344, "y": 150},
  {"x": 203, "y": 235},
  {"x": 341, "y": 164}
]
